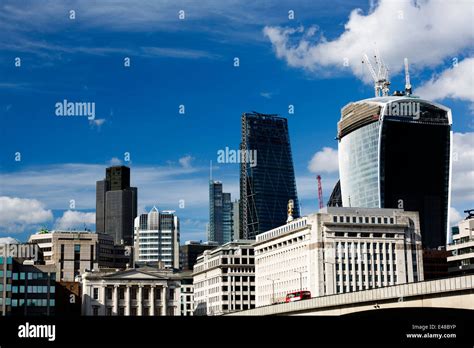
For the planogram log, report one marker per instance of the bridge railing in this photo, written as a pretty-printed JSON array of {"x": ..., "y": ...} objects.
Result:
[{"x": 400, "y": 292}]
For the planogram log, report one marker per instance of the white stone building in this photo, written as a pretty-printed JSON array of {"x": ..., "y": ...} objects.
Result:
[
  {"x": 132, "y": 292},
  {"x": 224, "y": 279},
  {"x": 187, "y": 294},
  {"x": 338, "y": 250},
  {"x": 462, "y": 248}
]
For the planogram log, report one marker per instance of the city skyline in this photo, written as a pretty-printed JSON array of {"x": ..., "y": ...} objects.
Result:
[{"x": 61, "y": 158}]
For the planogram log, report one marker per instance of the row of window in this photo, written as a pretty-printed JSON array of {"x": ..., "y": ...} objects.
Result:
[
  {"x": 34, "y": 302},
  {"x": 364, "y": 219}
]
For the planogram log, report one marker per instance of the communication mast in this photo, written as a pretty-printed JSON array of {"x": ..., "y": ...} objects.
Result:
[
  {"x": 320, "y": 192},
  {"x": 407, "y": 79},
  {"x": 381, "y": 82}
]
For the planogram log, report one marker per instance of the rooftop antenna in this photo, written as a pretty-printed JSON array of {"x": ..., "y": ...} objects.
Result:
[
  {"x": 407, "y": 78},
  {"x": 381, "y": 82}
]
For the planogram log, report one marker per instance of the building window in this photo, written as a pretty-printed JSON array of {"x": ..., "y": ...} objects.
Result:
[
  {"x": 95, "y": 311},
  {"x": 95, "y": 295}
]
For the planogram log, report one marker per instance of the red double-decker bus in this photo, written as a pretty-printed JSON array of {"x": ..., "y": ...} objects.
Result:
[{"x": 298, "y": 296}]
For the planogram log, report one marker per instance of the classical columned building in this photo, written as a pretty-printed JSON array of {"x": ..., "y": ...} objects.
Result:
[{"x": 133, "y": 292}]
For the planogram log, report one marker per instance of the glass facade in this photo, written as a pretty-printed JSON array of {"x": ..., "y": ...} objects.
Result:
[
  {"x": 220, "y": 214},
  {"x": 358, "y": 166},
  {"x": 410, "y": 167},
  {"x": 268, "y": 184}
]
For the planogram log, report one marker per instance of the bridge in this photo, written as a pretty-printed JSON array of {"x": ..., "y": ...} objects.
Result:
[{"x": 454, "y": 292}]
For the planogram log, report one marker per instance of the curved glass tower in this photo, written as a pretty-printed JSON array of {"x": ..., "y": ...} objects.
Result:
[{"x": 394, "y": 152}]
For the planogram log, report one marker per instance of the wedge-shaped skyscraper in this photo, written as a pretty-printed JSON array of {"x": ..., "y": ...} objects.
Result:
[
  {"x": 394, "y": 152},
  {"x": 267, "y": 177}
]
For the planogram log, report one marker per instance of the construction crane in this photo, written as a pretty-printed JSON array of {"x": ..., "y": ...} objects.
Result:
[
  {"x": 381, "y": 82},
  {"x": 320, "y": 192},
  {"x": 407, "y": 79}
]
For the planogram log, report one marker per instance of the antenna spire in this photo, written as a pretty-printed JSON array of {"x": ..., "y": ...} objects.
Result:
[{"x": 407, "y": 78}]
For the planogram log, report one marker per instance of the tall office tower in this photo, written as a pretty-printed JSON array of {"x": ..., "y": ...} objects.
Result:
[
  {"x": 235, "y": 219},
  {"x": 116, "y": 205},
  {"x": 267, "y": 177},
  {"x": 220, "y": 214},
  {"x": 394, "y": 152},
  {"x": 157, "y": 238}
]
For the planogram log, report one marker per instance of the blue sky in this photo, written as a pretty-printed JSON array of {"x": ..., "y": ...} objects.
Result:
[{"x": 190, "y": 62}]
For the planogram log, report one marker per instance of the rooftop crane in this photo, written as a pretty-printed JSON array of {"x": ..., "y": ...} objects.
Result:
[
  {"x": 381, "y": 82},
  {"x": 320, "y": 192}
]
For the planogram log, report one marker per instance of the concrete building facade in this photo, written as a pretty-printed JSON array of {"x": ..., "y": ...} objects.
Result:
[
  {"x": 338, "y": 250},
  {"x": 461, "y": 258},
  {"x": 157, "y": 238},
  {"x": 224, "y": 279}
]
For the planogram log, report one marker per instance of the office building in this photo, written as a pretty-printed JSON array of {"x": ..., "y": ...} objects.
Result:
[
  {"x": 187, "y": 293},
  {"x": 435, "y": 263},
  {"x": 72, "y": 253},
  {"x": 157, "y": 238},
  {"x": 220, "y": 214},
  {"x": 190, "y": 251},
  {"x": 116, "y": 205},
  {"x": 338, "y": 250},
  {"x": 224, "y": 279},
  {"x": 461, "y": 258},
  {"x": 394, "y": 152},
  {"x": 267, "y": 178},
  {"x": 132, "y": 292},
  {"x": 26, "y": 289}
]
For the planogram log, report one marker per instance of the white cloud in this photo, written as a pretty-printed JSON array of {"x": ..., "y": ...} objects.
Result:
[
  {"x": 456, "y": 82},
  {"x": 186, "y": 161},
  {"x": 426, "y": 32},
  {"x": 324, "y": 161},
  {"x": 266, "y": 95},
  {"x": 97, "y": 122},
  {"x": 73, "y": 219},
  {"x": 454, "y": 217},
  {"x": 463, "y": 169},
  {"x": 18, "y": 214},
  {"x": 115, "y": 161}
]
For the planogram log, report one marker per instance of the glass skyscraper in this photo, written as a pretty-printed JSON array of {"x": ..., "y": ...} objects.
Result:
[
  {"x": 394, "y": 152},
  {"x": 220, "y": 214},
  {"x": 267, "y": 177}
]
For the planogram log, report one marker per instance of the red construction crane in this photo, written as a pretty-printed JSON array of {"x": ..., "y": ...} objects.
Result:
[{"x": 320, "y": 192}]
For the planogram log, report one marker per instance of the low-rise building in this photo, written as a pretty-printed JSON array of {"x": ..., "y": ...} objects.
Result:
[
  {"x": 26, "y": 289},
  {"x": 131, "y": 292},
  {"x": 338, "y": 250},
  {"x": 224, "y": 279},
  {"x": 74, "y": 252},
  {"x": 187, "y": 294},
  {"x": 461, "y": 258},
  {"x": 190, "y": 251}
]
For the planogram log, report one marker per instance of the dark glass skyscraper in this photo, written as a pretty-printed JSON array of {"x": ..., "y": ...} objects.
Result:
[
  {"x": 116, "y": 205},
  {"x": 394, "y": 152},
  {"x": 220, "y": 214},
  {"x": 267, "y": 177}
]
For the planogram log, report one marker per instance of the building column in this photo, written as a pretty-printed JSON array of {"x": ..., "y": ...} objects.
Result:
[
  {"x": 115, "y": 300},
  {"x": 127, "y": 300},
  {"x": 140, "y": 300},
  {"x": 163, "y": 299},
  {"x": 151, "y": 297},
  {"x": 103, "y": 300}
]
